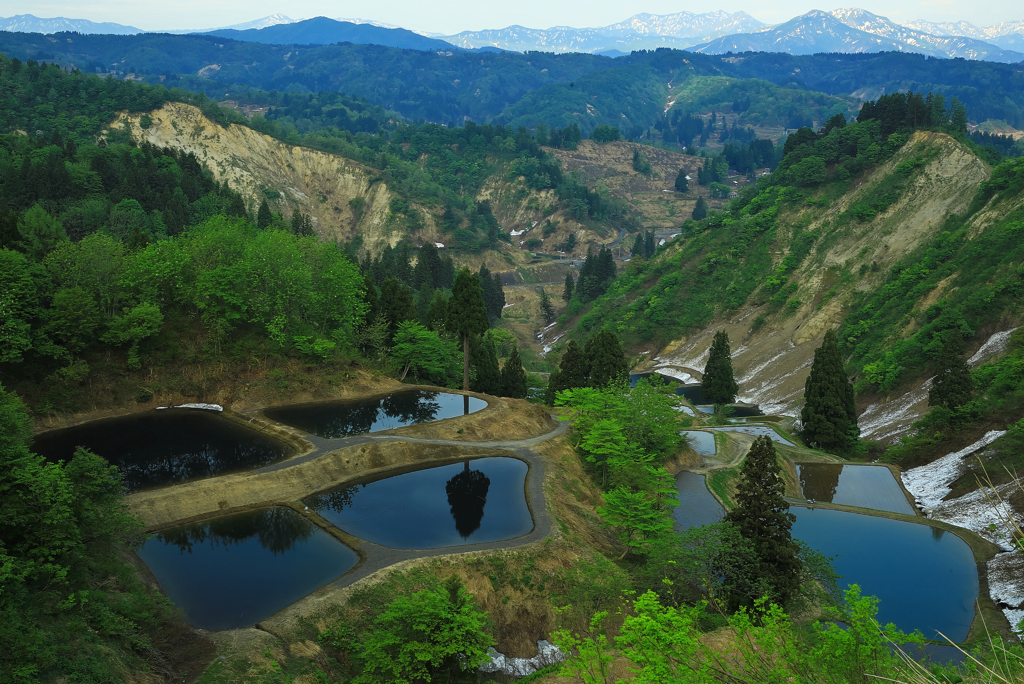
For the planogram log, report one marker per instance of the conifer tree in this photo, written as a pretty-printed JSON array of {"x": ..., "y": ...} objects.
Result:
[
  {"x": 762, "y": 516},
  {"x": 649, "y": 246},
  {"x": 953, "y": 386},
  {"x": 570, "y": 285},
  {"x": 682, "y": 185},
  {"x": 638, "y": 246},
  {"x": 437, "y": 314},
  {"x": 573, "y": 371},
  {"x": 546, "y": 310},
  {"x": 719, "y": 386},
  {"x": 494, "y": 296},
  {"x": 700, "y": 210},
  {"x": 606, "y": 359},
  {"x": 488, "y": 378},
  {"x": 829, "y": 415},
  {"x": 513, "y": 377},
  {"x": 467, "y": 314},
  {"x": 264, "y": 218}
]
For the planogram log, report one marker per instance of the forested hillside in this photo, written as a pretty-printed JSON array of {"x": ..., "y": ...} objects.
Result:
[
  {"x": 891, "y": 229},
  {"x": 443, "y": 87}
]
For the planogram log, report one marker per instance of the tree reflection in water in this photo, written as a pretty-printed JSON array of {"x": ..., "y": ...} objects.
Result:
[
  {"x": 278, "y": 530},
  {"x": 334, "y": 420},
  {"x": 158, "y": 448},
  {"x": 819, "y": 481},
  {"x": 336, "y": 500},
  {"x": 467, "y": 495}
]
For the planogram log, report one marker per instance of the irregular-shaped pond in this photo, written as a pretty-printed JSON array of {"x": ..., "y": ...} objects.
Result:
[
  {"x": 157, "y": 448},
  {"x": 756, "y": 431},
  {"x": 925, "y": 578},
  {"x": 480, "y": 500},
  {"x": 345, "y": 418},
  {"x": 701, "y": 442},
  {"x": 237, "y": 570},
  {"x": 696, "y": 504},
  {"x": 866, "y": 486}
]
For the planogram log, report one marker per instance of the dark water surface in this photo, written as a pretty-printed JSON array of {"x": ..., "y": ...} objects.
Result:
[
  {"x": 157, "y": 448},
  {"x": 925, "y": 578},
  {"x": 854, "y": 485},
  {"x": 346, "y": 418},
  {"x": 237, "y": 570},
  {"x": 481, "y": 500},
  {"x": 696, "y": 504}
]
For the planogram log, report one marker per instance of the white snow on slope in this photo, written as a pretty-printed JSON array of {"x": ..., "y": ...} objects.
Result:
[
  {"x": 930, "y": 483},
  {"x": 547, "y": 654}
]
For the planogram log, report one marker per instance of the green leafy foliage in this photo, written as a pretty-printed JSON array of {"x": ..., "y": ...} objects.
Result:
[
  {"x": 70, "y": 606},
  {"x": 432, "y": 634}
]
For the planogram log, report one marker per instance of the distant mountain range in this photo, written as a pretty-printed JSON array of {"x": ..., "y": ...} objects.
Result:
[
  {"x": 27, "y": 23},
  {"x": 324, "y": 31},
  {"x": 842, "y": 30},
  {"x": 639, "y": 32},
  {"x": 854, "y": 31},
  {"x": 719, "y": 32}
]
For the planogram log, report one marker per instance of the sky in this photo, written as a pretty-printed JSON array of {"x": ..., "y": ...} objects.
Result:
[{"x": 451, "y": 16}]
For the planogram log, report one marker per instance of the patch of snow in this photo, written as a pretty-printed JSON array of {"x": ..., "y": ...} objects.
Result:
[
  {"x": 674, "y": 235},
  {"x": 975, "y": 512},
  {"x": 205, "y": 407},
  {"x": 893, "y": 417},
  {"x": 547, "y": 347},
  {"x": 550, "y": 326},
  {"x": 439, "y": 245},
  {"x": 688, "y": 178},
  {"x": 516, "y": 233},
  {"x": 508, "y": 305},
  {"x": 646, "y": 352},
  {"x": 753, "y": 372},
  {"x": 533, "y": 225},
  {"x": 547, "y": 654},
  {"x": 929, "y": 483},
  {"x": 995, "y": 344},
  {"x": 662, "y": 242},
  {"x": 679, "y": 375}
]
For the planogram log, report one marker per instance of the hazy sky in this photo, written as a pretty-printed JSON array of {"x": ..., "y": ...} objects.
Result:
[{"x": 452, "y": 16}]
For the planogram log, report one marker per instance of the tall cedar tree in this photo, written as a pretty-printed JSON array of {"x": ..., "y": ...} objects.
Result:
[
  {"x": 719, "y": 386},
  {"x": 494, "y": 293},
  {"x": 953, "y": 386},
  {"x": 762, "y": 516},
  {"x": 570, "y": 285},
  {"x": 485, "y": 361},
  {"x": 829, "y": 415},
  {"x": 264, "y": 218},
  {"x": 606, "y": 360},
  {"x": 397, "y": 305},
  {"x": 573, "y": 371},
  {"x": 513, "y": 377},
  {"x": 546, "y": 310},
  {"x": 638, "y": 246},
  {"x": 700, "y": 210},
  {"x": 467, "y": 314},
  {"x": 682, "y": 185},
  {"x": 649, "y": 246}
]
